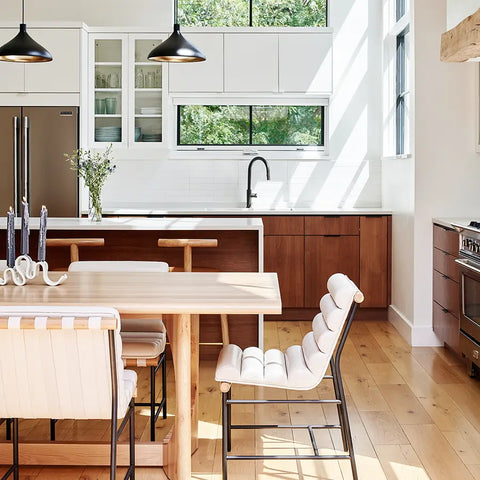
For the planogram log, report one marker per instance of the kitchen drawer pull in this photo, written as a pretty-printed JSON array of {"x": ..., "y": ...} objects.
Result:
[
  {"x": 445, "y": 310},
  {"x": 445, "y": 276}
]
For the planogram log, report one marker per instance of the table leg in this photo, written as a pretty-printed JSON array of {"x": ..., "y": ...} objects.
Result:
[
  {"x": 183, "y": 422},
  {"x": 195, "y": 339}
]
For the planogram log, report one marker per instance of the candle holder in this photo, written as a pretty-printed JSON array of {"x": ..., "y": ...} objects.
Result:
[{"x": 26, "y": 269}]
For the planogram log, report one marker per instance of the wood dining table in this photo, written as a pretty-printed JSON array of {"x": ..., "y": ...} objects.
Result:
[{"x": 181, "y": 297}]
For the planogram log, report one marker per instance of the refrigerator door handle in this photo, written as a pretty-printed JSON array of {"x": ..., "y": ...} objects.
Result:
[
  {"x": 26, "y": 153},
  {"x": 15, "y": 160}
]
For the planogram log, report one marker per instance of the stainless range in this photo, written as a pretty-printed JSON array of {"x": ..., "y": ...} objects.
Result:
[{"x": 469, "y": 281}]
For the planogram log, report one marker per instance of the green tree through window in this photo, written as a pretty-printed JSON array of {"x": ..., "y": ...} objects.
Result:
[
  {"x": 257, "y": 13},
  {"x": 293, "y": 125}
]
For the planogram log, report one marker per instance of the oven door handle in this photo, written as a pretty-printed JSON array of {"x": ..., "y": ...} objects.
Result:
[{"x": 463, "y": 263}]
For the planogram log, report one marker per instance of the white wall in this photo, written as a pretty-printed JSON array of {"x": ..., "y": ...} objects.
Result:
[
  {"x": 457, "y": 10},
  {"x": 441, "y": 179},
  {"x": 351, "y": 178}
]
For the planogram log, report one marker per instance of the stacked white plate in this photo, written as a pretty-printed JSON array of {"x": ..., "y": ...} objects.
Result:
[
  {"x": 108, "y": 134},
  {"x": 151, "y": 110}
]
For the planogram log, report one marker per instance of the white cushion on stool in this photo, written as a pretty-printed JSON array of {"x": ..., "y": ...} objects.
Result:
[
  {"x": 142, "y": 345},
  {"x": 143, "y": 325},
  {"x": 302, "y": 367}
]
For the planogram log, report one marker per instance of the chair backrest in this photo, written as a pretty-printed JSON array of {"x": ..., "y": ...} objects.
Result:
[
  {"x": 57, "y": 362},
  {"x": 118, "y": 266},
  {"x": 331, "y": 325}
]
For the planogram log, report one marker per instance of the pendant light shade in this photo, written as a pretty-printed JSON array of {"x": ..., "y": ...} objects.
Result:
[
  {"x": 23, "y": 48},
  {"x": 176, "y": 48}
]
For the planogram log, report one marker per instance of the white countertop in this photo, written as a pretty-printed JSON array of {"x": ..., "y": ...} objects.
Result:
[
  {"x": 126, "y": 223},
  {"x": 235, "y": 209},
  {"x": 447, "y": 221}
]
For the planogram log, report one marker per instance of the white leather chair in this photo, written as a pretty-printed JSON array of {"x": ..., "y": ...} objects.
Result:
[
  {"x": 301, "y": 367},
  {"x": 65, "y": 362},
  {"x": 143, "y": 340}
]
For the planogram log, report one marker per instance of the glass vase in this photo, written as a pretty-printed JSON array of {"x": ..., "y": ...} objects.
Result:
[{"x": 95, "y": 207}]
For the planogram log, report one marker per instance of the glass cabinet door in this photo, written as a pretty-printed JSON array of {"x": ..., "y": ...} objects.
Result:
[
  {"x": 108, "y": 99},
  {"x": 147, "y": 98}
]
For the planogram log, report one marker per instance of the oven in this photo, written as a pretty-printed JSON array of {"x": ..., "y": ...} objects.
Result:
[{"x": 469, "y": 297}]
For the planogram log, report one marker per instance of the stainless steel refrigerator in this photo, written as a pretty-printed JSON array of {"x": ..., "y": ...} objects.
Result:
[{"x": 33, "y": 141}]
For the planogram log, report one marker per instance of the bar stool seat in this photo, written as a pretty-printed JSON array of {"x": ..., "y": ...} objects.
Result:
[{"x": 140, "y": 347}]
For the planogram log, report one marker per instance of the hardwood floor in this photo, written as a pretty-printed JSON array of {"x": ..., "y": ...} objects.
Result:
[{"x": 414, "y": 414}]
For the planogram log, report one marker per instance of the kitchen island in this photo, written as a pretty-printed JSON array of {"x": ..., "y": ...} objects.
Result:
[{"x": 240, "y": 249}]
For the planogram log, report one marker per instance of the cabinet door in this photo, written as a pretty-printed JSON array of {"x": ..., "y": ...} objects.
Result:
[
  {"x": 12, "y": 74},
  {"x": 374, "y": 261},
  {"x": 324, "y": 256},
  {"x": 285, "y": 255},
  {"x": 63, "y": 73},
  {"x": 204, "y": 76},
  {"x": 446, "y": 326},
  {"x": 251, "y": 62},
  {"x": 305, "y": 63}
]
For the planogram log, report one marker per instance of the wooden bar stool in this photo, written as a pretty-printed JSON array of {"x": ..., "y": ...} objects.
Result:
[
  {"x": 74, "y": 244},
  {"x": 188, "y": 244}
]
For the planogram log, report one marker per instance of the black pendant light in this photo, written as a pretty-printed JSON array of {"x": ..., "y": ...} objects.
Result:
[
  {"x": 176, "y": 48},
  {"x": 23, "y": 48}
]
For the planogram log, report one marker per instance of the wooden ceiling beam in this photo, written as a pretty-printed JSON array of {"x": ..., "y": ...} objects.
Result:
[{"x": 462, "y": 42}]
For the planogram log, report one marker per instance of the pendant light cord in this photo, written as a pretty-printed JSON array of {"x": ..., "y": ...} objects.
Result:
[
  {"x": 23, "y": 11},
  {"x": 175, "y": 11}
]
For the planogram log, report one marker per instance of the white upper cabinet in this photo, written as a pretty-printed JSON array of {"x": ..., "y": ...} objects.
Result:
[
  {"x": 251, "y": 62},
  {"x": 305, "y": 63},
  {"x": 63, "y": 73},
  {"x": 12, "y": 74},
  {"x": 200, "y": 76},
  {"x": 59, "y": 76}
]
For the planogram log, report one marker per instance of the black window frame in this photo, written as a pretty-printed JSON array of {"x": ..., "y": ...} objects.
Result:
[
  {"x": 251, "y": 144},
  {"x": 401, "y": 92},
  {"x": 250, "y": 16}
]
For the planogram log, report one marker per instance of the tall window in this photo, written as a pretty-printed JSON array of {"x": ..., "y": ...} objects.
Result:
[
  {"x": 402, "y": 92},
  {"x": 245, "y": 125},
  {"x": 400, "y": 9},
  {"x": 256, "y": 13}
]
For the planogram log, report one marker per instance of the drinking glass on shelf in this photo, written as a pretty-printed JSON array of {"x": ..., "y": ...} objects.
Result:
[
  {"x": 158, "y": 79},
  {"x": 111, "y": 105},
  {"x": 113, "y": 80},
  {"x": 100, "y": 106},
  {"x": 150, "y": 81},
  {"x": 139, "y": 79}
]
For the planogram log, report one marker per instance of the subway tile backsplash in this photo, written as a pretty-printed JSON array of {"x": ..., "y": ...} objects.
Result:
[{"x": 319, "y": 184}]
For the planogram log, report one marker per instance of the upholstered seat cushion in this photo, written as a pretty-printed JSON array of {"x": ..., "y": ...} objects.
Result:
[
  {"x": 143, "y": 325},
  {"x": 301, "y": 367},
  {"x": 142, "y": 345}
]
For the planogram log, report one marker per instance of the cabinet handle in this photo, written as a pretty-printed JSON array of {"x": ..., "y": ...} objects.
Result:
[
  {"x": 332, "y": 235},
  {"x": 445, "y": 276},
  {"x": 444, "y": 310}
]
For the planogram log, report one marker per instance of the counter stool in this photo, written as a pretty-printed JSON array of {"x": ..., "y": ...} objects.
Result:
[
  {"x": 74, "y": 244},
  {"x": 143, "y": 341},
  {"x": 301, "y": 367},
  {"x": 188, "y": 244},
  {"x": 71, "y": 382}
]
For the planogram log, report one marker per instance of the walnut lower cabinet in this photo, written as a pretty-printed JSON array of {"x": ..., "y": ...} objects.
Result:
[
  {"x": 446, "y": 287},
  {"x": 305, "y": 251}
]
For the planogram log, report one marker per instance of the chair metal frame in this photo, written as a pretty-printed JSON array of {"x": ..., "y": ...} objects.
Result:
[
  {"x": 161, "y": 406},
  {"x": 339, "y": 400},
  {"x": 116, "y": 430}
]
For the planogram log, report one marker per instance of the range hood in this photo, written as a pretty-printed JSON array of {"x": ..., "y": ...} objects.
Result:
[{"x": 462, "y": 43}]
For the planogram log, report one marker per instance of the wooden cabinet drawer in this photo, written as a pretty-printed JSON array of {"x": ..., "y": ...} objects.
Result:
[
  {"x": 444, "y": 263},
  {"x": 332, "y": 225},
  {"x": 445, "y": 239},
  {"x": 445, "y": 292},
  {"x": 446, "y": 326},
  {"x": 283, "y": 225}
]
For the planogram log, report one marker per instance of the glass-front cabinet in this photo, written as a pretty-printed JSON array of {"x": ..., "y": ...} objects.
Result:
[{"x": 126, "y": 100}]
